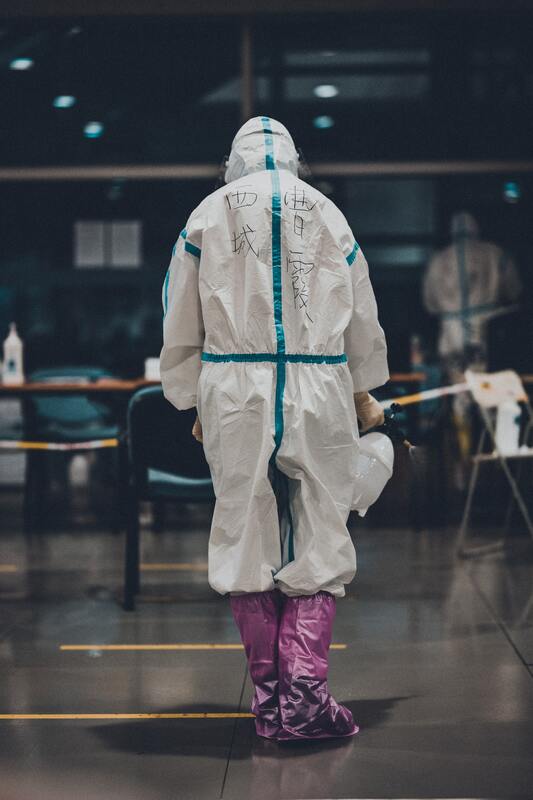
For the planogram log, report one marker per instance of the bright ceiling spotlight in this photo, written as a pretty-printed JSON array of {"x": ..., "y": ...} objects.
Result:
[
  {"x": 64, "y": 101},
  {"x": 93, "y": 130},
  {"x": 326, "y": 90},
  {"x": 323, "y": 122},
  {"x": 21, "y": 64}
]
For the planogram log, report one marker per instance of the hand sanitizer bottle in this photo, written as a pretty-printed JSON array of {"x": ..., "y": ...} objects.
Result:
[{"x": 12, "y": 370}]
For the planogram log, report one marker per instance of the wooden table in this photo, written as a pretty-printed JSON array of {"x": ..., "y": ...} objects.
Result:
[
  {"x": 121, "y": 387},
  {"x": 101, "y": 386}
]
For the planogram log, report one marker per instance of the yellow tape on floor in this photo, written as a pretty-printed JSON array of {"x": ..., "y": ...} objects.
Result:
[
  {"x": 207, "y": 715},
  {"x": 96, "y": 444}
]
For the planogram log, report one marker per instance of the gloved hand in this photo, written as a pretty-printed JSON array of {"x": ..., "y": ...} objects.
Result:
[
  {"x": 197, "y": 430},
  {"x": 368, "y": 410}
]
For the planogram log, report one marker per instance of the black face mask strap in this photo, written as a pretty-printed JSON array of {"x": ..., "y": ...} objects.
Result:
[
  {"x": 304, "y": 171},
  {"x": 221, "y": 179}
]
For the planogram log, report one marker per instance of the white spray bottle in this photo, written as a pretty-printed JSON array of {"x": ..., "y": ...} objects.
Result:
[
  {"x": 508, "y": 427},
  {"x": 12, "y": 370}
]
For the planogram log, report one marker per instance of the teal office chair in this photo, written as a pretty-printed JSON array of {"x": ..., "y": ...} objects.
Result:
[
  {"x": 63, "y": 419},
  {"x": 165, "y": 464}
]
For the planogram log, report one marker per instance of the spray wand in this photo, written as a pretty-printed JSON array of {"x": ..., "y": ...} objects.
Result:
[{"x": 393, "y": 429}]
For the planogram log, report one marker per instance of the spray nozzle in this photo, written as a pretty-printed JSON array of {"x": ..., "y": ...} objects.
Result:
[
  {"x": 418, "y": 456},
  {"x": 391, "y": 427}
]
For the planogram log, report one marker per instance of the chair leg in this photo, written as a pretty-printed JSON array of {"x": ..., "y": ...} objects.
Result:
[
  {"x": 512, "y": 501},
  {"x": 131, "y": 566},
  {"x": 35, "y": 485},
  {"x": 460, "y": 550},
  {"x": 29, "y": 483},
  {"x": 517, "y": 495},
  {"x": 121, "y": 488},
  {"x": 159, "y": 515}
]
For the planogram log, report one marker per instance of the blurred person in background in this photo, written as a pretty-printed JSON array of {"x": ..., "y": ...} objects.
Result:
[
  {"x": 467, "y": 284},
  {"x": 271, "y": 330}
]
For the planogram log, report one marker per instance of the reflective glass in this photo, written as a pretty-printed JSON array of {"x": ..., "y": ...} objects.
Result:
[{"x": 156, "y": 87}]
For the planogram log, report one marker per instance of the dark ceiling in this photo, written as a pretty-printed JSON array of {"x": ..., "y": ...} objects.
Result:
[{"x": 408, "y": 87}]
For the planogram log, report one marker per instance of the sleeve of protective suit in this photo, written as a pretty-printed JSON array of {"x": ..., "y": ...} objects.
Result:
[
  {"x": 364, "y": 340},
  {"x": 429, "y": 287},
  {"x": 510, "y": 283},
  {"x": 183, "y": 327}
]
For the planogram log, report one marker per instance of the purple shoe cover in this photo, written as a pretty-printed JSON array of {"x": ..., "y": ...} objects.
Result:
[
  {"x": 307, "y": 709},
  {"x": 257, "y": 616}
]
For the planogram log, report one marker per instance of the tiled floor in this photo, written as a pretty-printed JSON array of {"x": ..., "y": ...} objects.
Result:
[{"x": 437, "y": 670}]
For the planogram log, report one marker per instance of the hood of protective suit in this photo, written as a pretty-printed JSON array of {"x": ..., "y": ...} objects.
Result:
[
  {"x": 464, "y": 226},
  {"x": 261, "y": 143}
]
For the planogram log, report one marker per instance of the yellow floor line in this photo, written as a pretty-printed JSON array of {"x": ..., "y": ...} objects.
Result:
[
  {"x": 201, "y": 646},
  {"x": 128, "y": 716},
  {"x": 180, "y": 566},
  {"x": 8, "y": 568}
]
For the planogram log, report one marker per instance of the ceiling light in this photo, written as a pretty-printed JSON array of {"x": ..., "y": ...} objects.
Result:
[
  {"x": 21, "y": 63},
  {"x": 93, "y": 130},
  {"x": 326, "y": 90},
  {"x": 323, "y": 122},
  {"x": 64, "y": 101},
  {"x": 512, "y": 192}
]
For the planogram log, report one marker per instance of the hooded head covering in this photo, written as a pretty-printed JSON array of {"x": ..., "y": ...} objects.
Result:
[
  {"x": 464, "y": 226},
  {"x": 261, "y": 143}
]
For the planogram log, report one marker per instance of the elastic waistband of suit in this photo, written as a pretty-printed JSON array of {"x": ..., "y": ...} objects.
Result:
[{"x": 275, "y": 358}]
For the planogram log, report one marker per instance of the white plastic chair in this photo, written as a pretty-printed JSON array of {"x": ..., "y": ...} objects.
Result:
[{"x": 489, "y": 390}]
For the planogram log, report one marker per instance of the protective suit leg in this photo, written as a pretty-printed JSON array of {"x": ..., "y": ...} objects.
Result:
[
  {"x": 257, "y": 615},
  {"x": 307, "y": 709},
  {"x": 319, "y": 446}
]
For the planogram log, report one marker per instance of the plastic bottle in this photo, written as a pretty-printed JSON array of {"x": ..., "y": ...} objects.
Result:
[
  {"x": 508, "y": 427},
  {"x": 12, "y": 370}
]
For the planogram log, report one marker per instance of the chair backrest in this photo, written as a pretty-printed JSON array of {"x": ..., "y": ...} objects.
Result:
[
  {"x": 491, "y": 389},
  {"x": 77, "y": 410},
  {"x": 159, "y": 437}
]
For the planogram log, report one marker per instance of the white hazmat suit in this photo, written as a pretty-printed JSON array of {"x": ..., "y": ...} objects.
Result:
[
  {"x": 466, "y": 284},
  {"x": 270, "y": 327}
]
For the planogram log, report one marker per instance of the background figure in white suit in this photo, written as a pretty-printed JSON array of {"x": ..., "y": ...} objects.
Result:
[
  {"x": 270, "y": 329},
  {"x": 466, "y": 284}
]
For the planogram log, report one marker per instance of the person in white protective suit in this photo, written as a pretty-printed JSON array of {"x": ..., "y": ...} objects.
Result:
[
  {"x": 270, "y": 329},
  {"x": 466, "y": 284}
]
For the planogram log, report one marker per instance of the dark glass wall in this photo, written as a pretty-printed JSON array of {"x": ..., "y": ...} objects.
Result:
[{"x": 352, "y": 89}]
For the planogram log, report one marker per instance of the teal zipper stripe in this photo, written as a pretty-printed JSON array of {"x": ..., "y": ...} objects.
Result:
[
  {"x": 276, "y": 262},
  {"x": 269, "y": 144},
  {"x": 274, "y": 358},
  {"x": 281, "y": 361},
  {"x": 278, "y": 308},
  {"x": 463, "y": 287},
  {"x": 351, "y": 258},
  {"x": 279, "y": 421},
  {"x": 165, "y": 293}
]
